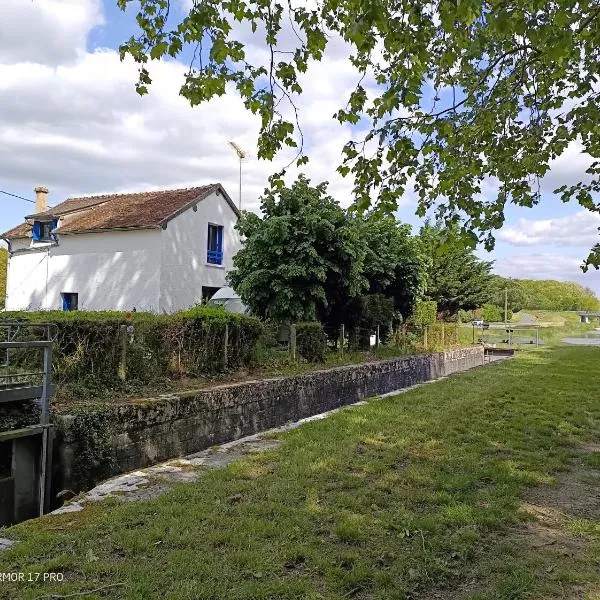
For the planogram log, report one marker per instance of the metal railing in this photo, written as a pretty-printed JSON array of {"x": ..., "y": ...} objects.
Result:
[{"x": 18, "y": 388}]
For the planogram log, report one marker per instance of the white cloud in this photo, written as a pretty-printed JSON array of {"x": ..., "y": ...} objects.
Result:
[
  {"x": 547, "y": 266},
  {"x": 568, "y": 169},
  {"x": 578, "y": 229},
  {"x": 49, "y": 32},
  {"x": 71, "y": 119}
]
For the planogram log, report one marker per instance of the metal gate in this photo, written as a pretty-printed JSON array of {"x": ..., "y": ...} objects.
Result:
[{"x": 26, "y": 451}]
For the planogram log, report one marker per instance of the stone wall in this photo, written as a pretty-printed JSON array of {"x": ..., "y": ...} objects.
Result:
[{"x": 144, "y": 432}]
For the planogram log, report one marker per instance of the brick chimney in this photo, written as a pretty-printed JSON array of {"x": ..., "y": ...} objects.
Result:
[{"x": 41, "y": 199}]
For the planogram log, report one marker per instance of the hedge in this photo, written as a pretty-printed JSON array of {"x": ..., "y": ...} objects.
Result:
[{"x": 89, "y": 346}]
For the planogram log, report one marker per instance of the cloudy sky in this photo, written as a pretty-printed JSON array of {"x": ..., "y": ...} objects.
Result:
[{"x": 70, "y": 119}]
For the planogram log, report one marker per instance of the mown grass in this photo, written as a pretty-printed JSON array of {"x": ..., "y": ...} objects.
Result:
[{"x": 408, "y": 497}]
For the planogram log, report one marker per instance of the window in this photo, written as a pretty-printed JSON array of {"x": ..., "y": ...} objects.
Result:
[
  {"x": 214, "y": 253},
  {"x": 70, "y": 301},
  {"x": 42, "y": 230}
]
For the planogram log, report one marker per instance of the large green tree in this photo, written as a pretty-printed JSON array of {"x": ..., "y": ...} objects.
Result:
[
  {"x": 457, "y": 279},
  {"x": 302, "y": 250},
  {"x": 395, "y": 265},
  {"x": 461, "y": 91}
]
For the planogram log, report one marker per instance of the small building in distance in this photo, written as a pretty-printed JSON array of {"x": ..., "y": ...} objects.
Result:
[
  {"x": 586, "y": 317},
  {"x": 158, "y": 251}
]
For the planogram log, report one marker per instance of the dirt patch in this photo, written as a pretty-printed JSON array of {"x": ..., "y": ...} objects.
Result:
[
  {"x": 548, "y": 533},
  {"x": 576, "y": 494}
]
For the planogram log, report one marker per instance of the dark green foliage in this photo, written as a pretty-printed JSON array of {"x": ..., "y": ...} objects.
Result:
[
  {"x": 394, "y": 263},
  {"x": 457, "y": 279},
  {"x": 308, "y": 259},
  {"x": 93, "y": 457},
  {"x": 18, "y": 415},
  {"x": 88, "y": 346},
  {"x": 368, "y": 313},
  {"x": 425, "y": 313},
  {"x": 311, "y": 341},
  {"x": 303, "y": 250},
  {"x": 452, "y": 94}
]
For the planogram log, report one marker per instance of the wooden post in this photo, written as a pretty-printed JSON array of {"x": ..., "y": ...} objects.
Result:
[
  {"x": 342, "y": 336},
  {"x": 473, "y": 333},
  {"x": 537, "y": 336},
  {"x": 293, "y": 343},
  {"x": 404, "y": 336},
  {"x": 377, "y": 339},
  {"x": 425, "y": 337},
  {"x": 122, "y": 370},
  {"x": 225, "y": 344},
  {"x": 443, "y": 335}
]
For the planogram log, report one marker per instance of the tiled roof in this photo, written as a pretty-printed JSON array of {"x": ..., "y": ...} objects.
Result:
[
  {"x": 69, "y": 206},
  {"x": 20, "y": 231},
  {"x": 123, "y": 211}
]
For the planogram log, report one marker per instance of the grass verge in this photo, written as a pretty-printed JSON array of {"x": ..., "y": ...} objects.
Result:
[{"x": 408, "y": 497}]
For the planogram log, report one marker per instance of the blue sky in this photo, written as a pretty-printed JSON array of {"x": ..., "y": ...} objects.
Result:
[{"x": 70, "y": 120}]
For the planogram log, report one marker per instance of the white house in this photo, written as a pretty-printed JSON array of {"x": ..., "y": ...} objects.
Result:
[{"x": 152, "y": 251}]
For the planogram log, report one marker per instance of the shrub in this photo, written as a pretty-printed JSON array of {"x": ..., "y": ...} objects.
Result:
[
  {"x": 465, "y": 316},
  {"x": 491, "y": 313},
  {"x": 311, "y": 341},
  {"x": 424, "y": 313}
]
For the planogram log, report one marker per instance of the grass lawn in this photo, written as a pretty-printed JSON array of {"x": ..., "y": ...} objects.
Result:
[{"x": 452, "y": 490}]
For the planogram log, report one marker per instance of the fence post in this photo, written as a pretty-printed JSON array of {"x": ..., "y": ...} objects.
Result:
[
  {"x": 403, "y": 336},
  {"x": 342, "y": 336},
  {"x": 537, "y": 336},
  {"x": 225, "y": 344},
  {"x": 425, "y": 344},
  {"x": 293, "y": 342},
  {"x": 122, "y": 370},
  {"x": 377, "y": 338},
  {"x": 443, "y": 335}
]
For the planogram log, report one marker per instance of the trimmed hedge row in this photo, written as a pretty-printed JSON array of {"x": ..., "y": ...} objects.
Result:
[{"x": 98, "y": 351}]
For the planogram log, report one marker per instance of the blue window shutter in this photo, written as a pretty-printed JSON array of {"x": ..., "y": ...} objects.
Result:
[
  {"x": 220, "y": 238},
  {"x": 36, "y": 231},
  {"x": 220, "y": 243},
  {"x": 65, "y": 299}
]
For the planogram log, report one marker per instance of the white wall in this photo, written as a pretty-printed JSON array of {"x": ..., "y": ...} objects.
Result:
[
  {"x": 184, "y": 244},
  {"x": 112, "y": 270}
]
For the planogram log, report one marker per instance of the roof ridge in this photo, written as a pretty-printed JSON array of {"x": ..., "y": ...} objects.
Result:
[{"x": 163, "y": 191}]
